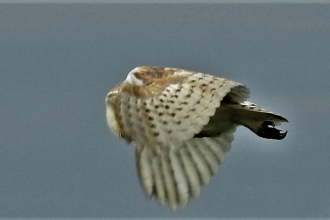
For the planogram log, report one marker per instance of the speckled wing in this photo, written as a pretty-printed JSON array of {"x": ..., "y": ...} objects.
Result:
[{"x": 161, "y": 107}]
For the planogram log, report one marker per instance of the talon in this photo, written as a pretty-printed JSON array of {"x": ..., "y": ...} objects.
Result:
[
  {"x": 269, "y": 131},
  {"x": 267, "y": 123}
]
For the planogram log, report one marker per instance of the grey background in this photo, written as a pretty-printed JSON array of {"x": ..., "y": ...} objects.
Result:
[{"x": 57, "y": 62}]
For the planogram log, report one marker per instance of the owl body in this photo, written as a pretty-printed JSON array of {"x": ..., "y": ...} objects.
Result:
[{"x": 182, "y": 123}]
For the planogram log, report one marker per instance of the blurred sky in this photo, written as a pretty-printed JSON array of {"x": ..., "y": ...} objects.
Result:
[{"x": 57, "y": 63}]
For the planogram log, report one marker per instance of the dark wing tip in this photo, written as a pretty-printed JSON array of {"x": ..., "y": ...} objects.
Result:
[{"x": 269, "y": 131}]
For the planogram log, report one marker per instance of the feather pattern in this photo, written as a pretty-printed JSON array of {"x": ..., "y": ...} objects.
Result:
[{"x": 178, "y": 175}]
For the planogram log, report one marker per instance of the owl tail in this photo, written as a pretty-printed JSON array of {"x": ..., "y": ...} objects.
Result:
[
  {"x": 259, "y": 120},
  {"x": 175, "y": 174}
]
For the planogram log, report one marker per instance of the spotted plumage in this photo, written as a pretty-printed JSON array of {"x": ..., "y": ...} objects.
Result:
[{"x": 182, "y": 124}]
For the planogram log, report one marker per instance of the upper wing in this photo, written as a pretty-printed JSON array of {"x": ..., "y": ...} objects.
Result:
[{"x": 163, "y": 106}]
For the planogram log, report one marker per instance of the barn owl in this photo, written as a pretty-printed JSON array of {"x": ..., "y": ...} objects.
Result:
[{"x": 182, "y": 123}]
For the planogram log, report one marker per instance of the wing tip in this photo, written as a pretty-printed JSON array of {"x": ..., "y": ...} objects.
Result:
[{"x": 268, "y": 131}]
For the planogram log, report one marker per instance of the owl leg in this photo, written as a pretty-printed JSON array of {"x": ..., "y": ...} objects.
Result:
[{"x": 268, "y": 130}]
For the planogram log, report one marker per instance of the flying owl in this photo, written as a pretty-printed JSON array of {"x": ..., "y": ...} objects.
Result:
[{"x": 182, "y": 123}]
